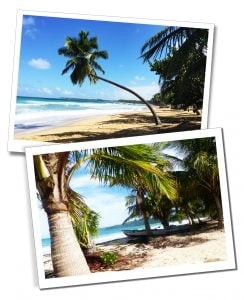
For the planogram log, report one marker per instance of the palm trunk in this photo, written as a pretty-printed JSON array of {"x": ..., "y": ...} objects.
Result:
[
  {"x": 219, "y": 211},
  {"x": 156, "y": 118},
  {"x": 164, "y": 222},
  {"x": 140, "y": 204},
  {"x": 67, "y": 256},
  {"x": 147, "y": 225}
]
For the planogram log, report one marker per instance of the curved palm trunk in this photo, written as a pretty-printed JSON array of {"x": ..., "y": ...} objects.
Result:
[
  {"x": 156, "y": 118},
  {"x": 67, "y": 256}
]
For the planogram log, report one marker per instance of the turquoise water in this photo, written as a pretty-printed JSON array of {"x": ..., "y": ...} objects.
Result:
[
  {"x": 105, "y": 234},
  {"x": 34, "y": 113}
]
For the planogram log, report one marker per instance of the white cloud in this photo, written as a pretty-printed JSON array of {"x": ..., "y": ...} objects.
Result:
[
  {"x": 63, "y": 92},
  {"x": 39, "y": 63},
  {"x": 45, "y": 90},
  {"x": 81, "y": 181},
  {"x": 110, "y": 207},
  {"x": 31, "y": 32},
  {"x": 66, "y": 92},
  {"x": 139, "y": 78},
  {"x": 28, "y": 21},
  {"x": 29, "y": 27}
]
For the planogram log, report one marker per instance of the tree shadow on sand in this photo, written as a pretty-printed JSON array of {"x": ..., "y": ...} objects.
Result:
[
  {"x": 136, "y": 118},
  {"x": 81, "y": 136}
]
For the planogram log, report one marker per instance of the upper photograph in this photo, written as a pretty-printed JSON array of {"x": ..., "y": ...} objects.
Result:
[{"x": 83, "y": 78}]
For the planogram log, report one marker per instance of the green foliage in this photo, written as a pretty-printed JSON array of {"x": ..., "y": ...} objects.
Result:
[
  {"x": 201, "y": 176},
  {"x": 109, "y": 258},
  {"x": 182, "y": 69},
  {"x": 156, "y": 99},
  {"x": 82, "y": 53},
  {"x": 84, "y": 220},
  {"x": 132, "y": 166}
]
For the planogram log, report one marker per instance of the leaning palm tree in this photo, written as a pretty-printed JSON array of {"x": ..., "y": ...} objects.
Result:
[
  {"x": 125, "y": 165},
  {"x": 52, "y": 185},
  {"x": 83, "y": 53}
]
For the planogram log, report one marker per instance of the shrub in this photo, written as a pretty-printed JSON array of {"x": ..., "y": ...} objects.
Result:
[{"x": 109, "y": 258}]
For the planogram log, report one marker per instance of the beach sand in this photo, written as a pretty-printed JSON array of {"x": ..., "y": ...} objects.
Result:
[
  {"x": 115, "y": 126},
  {"x": 171, "y": 250},
  {"x": 192, "y": 248}
]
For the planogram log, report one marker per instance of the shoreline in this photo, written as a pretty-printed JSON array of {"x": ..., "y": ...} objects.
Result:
[
  {"x": 115, "y": 126},
  {"x": 196, "y": 247}
]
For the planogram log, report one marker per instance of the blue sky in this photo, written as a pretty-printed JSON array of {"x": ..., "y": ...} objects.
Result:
[
  {"x": 40, "y": 65},
  {"x": 109, "y": 202}
]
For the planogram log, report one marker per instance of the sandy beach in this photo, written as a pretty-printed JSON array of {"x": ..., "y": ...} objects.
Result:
[
  {"x": 192, "y": 248},
  {"x": 115, "y": 126}
]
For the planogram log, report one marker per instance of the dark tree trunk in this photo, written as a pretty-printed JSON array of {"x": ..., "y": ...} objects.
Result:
[
  {"x": 218, "y": 204},
  {"x": 156, "y": 118},
  {"x": 141, "y": 207},
  {"x": 147, "y": 225},
  {"x": 164, "y": 222}
]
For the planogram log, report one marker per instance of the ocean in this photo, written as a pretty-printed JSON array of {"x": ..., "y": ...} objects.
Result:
[
  {"x": 34, "y": 113},
  {"x": 115, "y": 232},
  {"x": 105, "y": 234}
]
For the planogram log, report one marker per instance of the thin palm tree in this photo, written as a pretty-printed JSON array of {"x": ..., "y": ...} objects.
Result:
[{"x": 83, "y": 53}]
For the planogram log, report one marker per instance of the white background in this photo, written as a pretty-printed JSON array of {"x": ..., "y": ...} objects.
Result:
[{"x": 17, "y": 258}]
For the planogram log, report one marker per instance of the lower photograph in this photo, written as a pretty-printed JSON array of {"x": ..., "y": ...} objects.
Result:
[{"x": 130, "y": 208}]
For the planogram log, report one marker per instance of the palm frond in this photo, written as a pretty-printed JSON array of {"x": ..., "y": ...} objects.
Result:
[{"x": 84, "y": 220}]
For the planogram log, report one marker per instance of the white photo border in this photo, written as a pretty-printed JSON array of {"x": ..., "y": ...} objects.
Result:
[
  {"x": 102, "y": 277},
  {"x": 19, "y": 145}
]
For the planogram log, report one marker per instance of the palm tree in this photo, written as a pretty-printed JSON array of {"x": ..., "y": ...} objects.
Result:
[
  {"x": 52, "y": 185},
  {"x": 83, "y": 53},
  {"x": 201, "y": 163},
  {"x": 182, "y": 69},
  {"x": 139, "y": 167},
  {"x": 125, "y": 165},
  {"x": 138, "y": 209},
  {"x": 160, "y": 207}
]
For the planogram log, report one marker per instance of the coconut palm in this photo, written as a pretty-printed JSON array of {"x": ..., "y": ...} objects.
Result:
[
  {"x": 126, "y": 165},
  {"x": 179, "y": 58},
  {"x": 143, "y": 169},
  {"x": 202, "y": 163},
  {"x": 83, "y": 54},
  {"x": 159, "y": 207},
  {"x": 172, "y": 37},
  {"x": 52, "y": 185}
]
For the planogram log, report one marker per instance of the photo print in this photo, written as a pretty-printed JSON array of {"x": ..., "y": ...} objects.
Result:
[
  {"x": 81, "y": 78},
  {"x": 124, "y": 209}
]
